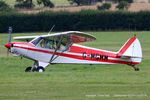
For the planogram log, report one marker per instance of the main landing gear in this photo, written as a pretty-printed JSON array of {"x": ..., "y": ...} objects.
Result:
[
  {"x": 135, "y": 68},
  {"x": 35, "y": 67}
]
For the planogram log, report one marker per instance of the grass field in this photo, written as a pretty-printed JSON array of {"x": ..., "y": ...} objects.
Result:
[{"x": 77, "y": 82}]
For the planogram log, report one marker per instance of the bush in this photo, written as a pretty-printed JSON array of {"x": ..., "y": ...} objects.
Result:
[
  {"x": 129, "y": 1},
  {"x": 24, "y": 4},
  {"x": 46, "y": 3},
  {"x": 104, "y": 6},
  {"x": 123, "y": 5},
  {"x": 80, "y": 2}
]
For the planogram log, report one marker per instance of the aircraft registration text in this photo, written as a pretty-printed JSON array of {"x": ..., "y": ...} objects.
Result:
[{"x": 96, "y": 56}]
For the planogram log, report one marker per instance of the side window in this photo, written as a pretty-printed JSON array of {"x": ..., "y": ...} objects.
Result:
[
  {"x": 45, "y": 43},
  {"x": 53, "y": 43},
  {"x": 41, "y": 43},
  {"x": 64, "y": 44},
  {"x": 63, "y": 47}
]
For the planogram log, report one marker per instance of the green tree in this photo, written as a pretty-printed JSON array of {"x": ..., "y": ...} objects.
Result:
[
  {"x": 24, "y": 4},
  {"x": 4, "y": 6},
  {"x": 123, "y": 5},
  {"x": 104, "y": 6},
  {"x": 83, "y": 2},
  {"x": 29, "y": 3},
  {"x": 46, "y": 3},
  {"x": 129, "y": 1}
]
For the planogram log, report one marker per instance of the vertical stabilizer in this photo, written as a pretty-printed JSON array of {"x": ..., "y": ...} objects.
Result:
[{"x": 132, "y": 49}]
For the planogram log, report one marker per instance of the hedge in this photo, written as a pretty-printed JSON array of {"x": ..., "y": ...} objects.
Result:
[{"x": 88, "y": 20}]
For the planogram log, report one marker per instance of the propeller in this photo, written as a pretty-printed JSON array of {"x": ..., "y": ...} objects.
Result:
[
  {"x": 8, "y": 45},
  {"x": 10, "y": 31},
  {"x": 7, "y": 52}
]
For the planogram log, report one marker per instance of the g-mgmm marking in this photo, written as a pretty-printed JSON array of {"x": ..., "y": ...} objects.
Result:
[{"x": 96, "y": 56}]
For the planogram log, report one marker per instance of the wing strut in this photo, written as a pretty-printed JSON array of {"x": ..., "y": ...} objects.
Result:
[
  {"x": 59, "y": 43},
  {"x": 57, "y": 56},
  {"x": 61, "y": 52}
]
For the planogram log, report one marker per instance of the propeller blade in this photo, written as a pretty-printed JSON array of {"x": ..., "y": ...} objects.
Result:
[
  {"x": 10, "y": 31},
  {"x": 7, "y": 52},
  {"x": 9, "y": 41}
]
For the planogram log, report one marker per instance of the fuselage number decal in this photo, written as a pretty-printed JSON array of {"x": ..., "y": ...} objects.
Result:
[{"x": 96, "y": 56}]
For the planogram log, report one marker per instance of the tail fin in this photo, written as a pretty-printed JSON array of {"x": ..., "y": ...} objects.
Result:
[{"x": 131, "y": 49}]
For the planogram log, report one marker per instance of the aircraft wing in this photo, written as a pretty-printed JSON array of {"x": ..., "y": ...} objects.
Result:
[{"x": 75, "y": 36}]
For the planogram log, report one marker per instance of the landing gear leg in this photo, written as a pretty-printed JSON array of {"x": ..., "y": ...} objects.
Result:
[
  {"x": 135, "y": 68},
  {"x": 35, "y": 66}
]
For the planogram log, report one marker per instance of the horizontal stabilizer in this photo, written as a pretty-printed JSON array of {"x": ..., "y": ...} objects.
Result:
[{"x": 127, "y": 57}]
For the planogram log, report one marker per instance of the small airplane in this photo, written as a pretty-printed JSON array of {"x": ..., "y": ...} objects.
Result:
[{"x": 62, "y": 48}]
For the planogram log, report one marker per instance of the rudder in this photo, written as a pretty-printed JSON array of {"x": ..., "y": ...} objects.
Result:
[{"x": 132, "y": 49}]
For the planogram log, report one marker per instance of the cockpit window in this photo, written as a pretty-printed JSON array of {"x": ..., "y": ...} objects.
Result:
[
  {"x": 36, "y": 40},
  {"x": 52, "y": 43}
]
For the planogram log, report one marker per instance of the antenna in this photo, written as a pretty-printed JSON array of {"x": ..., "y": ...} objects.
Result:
[{"x": 51, "y": 29}]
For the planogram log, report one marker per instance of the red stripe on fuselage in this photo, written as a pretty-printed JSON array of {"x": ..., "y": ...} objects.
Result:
[
  {"x": 79, "y": 57},
  {"x": 77, "y": 49}
]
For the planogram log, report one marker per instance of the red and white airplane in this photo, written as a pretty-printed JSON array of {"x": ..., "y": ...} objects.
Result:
[{"x": 62, "y": 48}]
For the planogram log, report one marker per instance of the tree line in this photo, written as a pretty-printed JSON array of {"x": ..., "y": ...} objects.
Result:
[
  {"x": 86, "y": 20},
  {"x": 47, "y": 3},
  {"x": 26, "y": 4},
  {"x": 89, "y": 2}
]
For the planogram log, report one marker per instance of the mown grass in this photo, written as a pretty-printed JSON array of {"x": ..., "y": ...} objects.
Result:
[{"x": 77, "y": 82}]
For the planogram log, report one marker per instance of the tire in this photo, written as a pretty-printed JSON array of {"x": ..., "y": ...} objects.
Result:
[
  {"x": 40, "y": 69},
  {"x": 28, "y": 69},
  {"x": 137, "y": 69}
]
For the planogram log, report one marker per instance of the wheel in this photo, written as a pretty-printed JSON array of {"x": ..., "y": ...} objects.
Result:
[
  {"x": 28, "y": 69},
  {"x": 40, "y": 69},
  {"x": 137, "y": 69}
]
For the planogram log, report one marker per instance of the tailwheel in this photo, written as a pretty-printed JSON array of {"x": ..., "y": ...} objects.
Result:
[
  {"x": 28, "y": 69},
  {"x": 136, "y": 68},
  {"x": 40, "y": 69}
]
